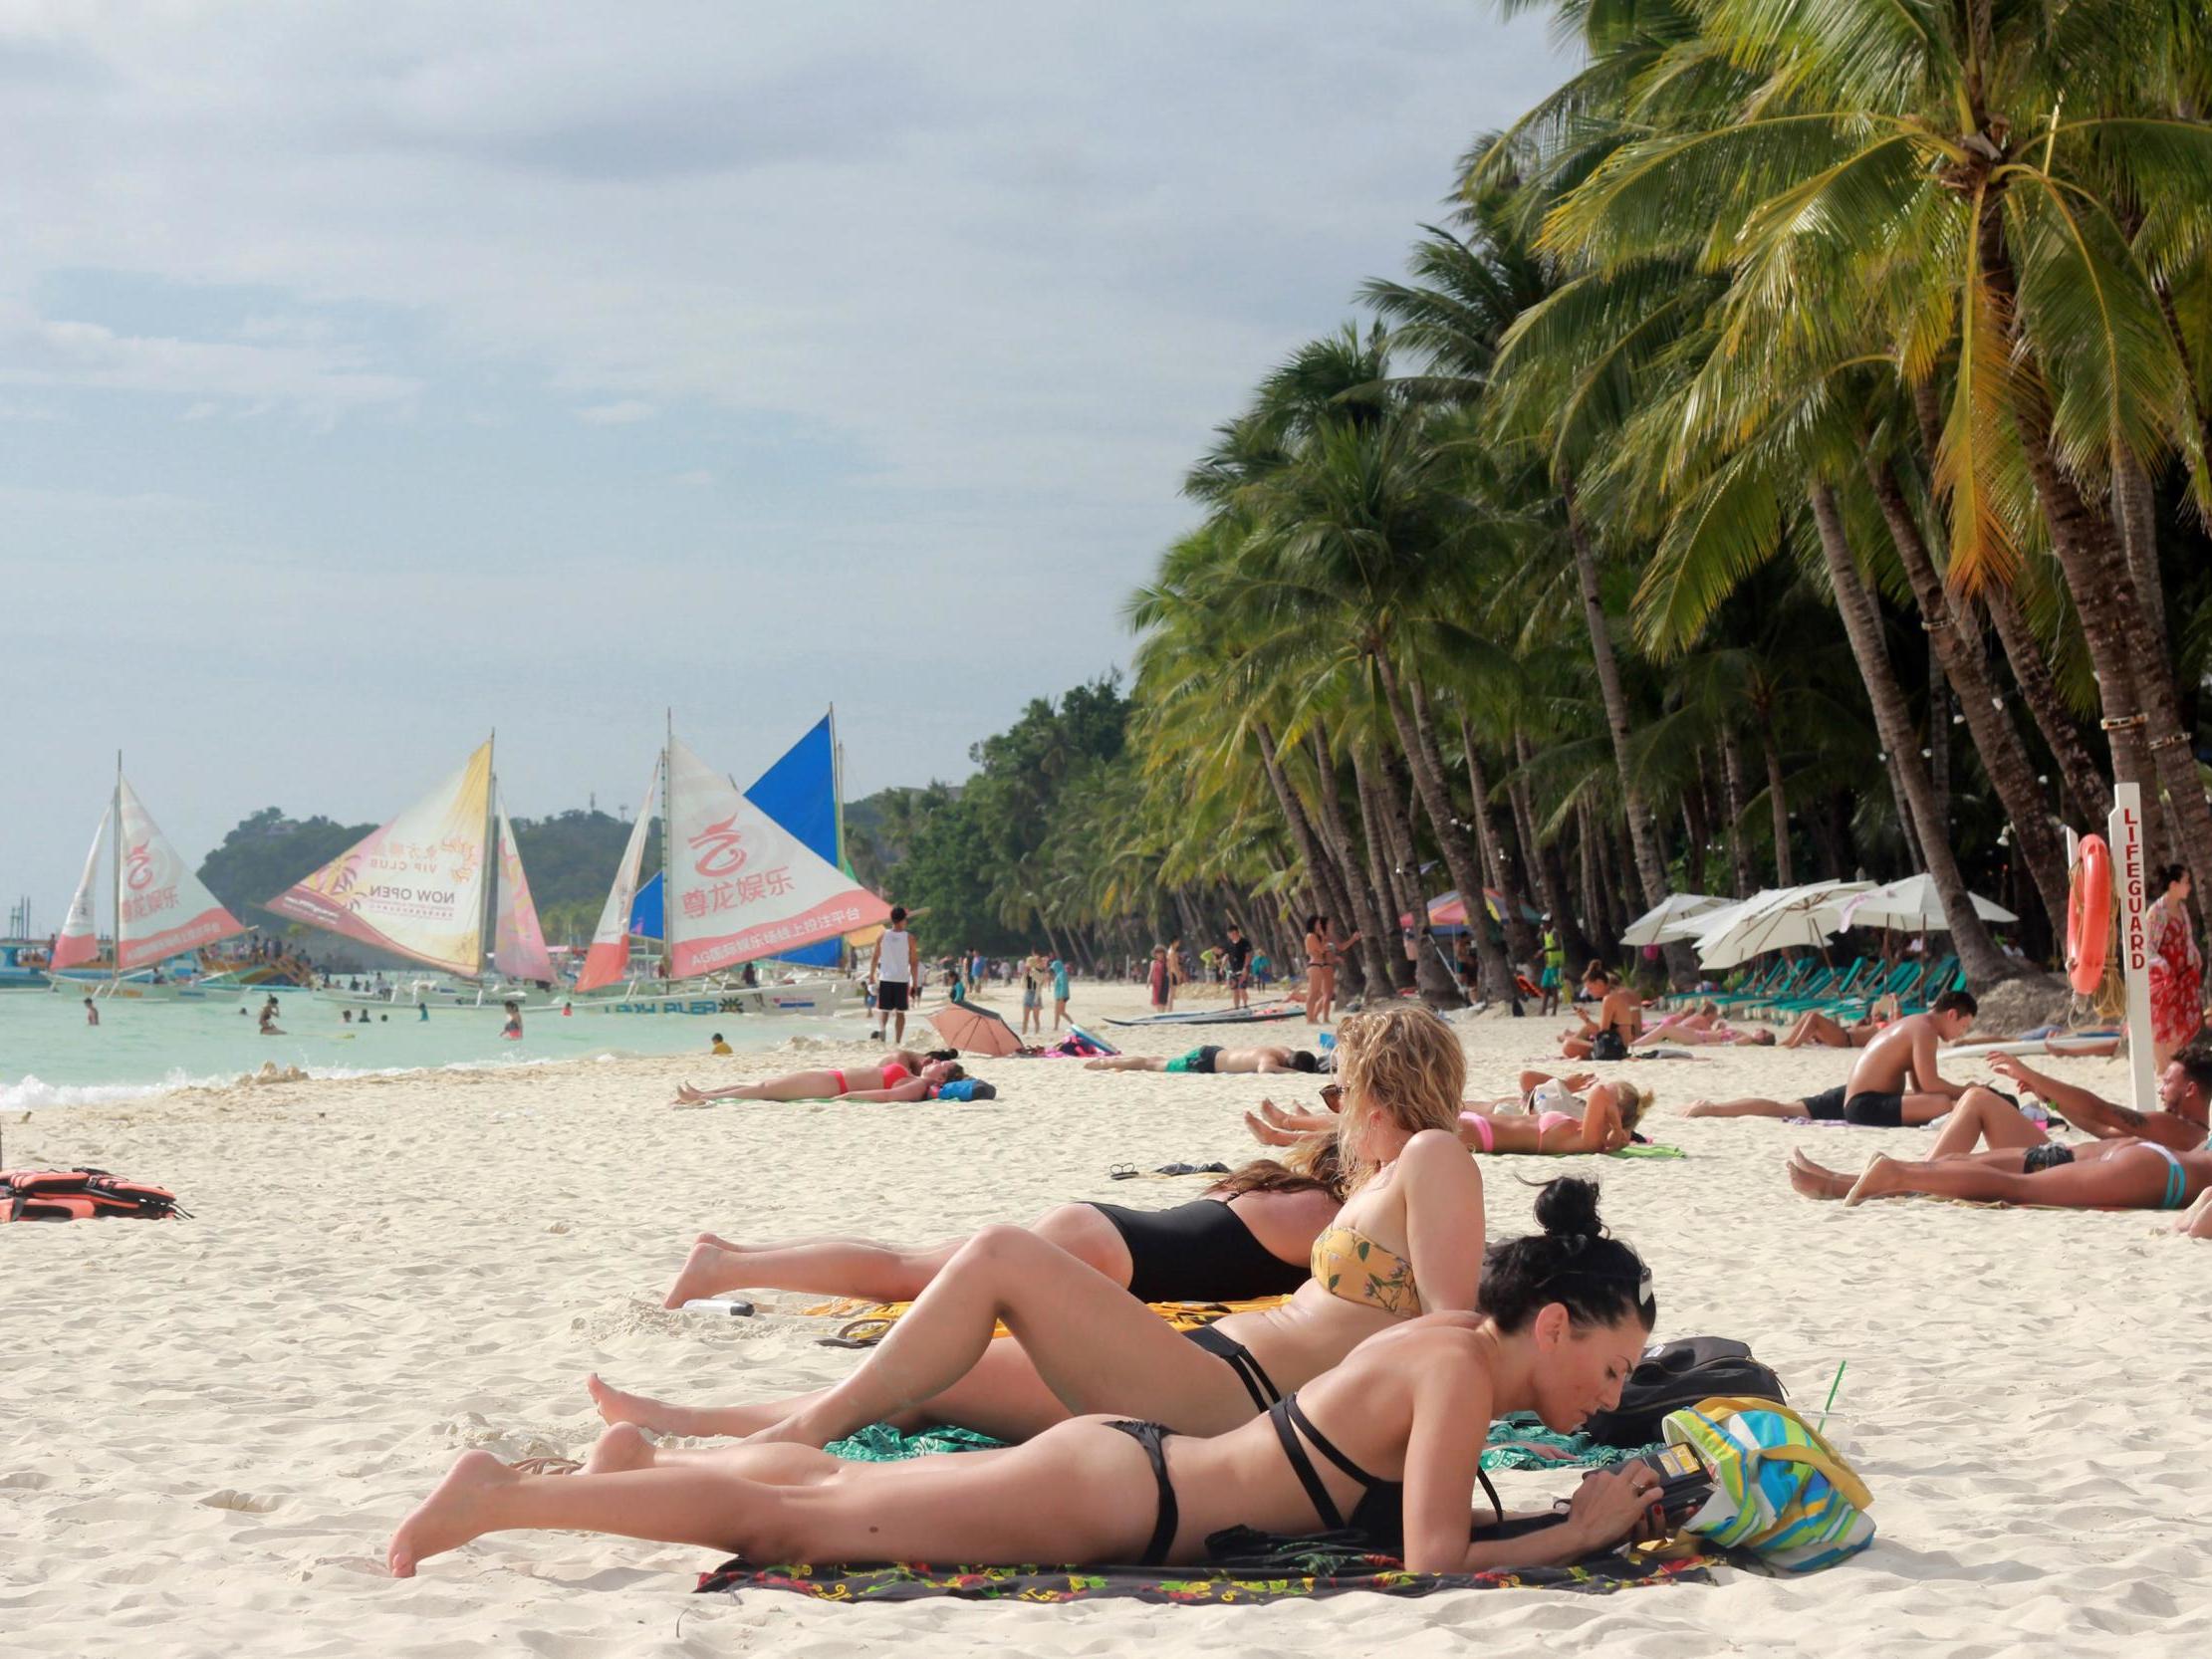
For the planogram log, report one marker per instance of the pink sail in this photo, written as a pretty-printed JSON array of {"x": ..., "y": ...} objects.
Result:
[
  {"x": 608, "y": 958},
  {"x": 415, "y": 886},
  {"x": 79, "y": 940},
  {"x": 741, "y": 886},
  {"x": 166, "y": 910},
  {"x": 518, "y": 942}
]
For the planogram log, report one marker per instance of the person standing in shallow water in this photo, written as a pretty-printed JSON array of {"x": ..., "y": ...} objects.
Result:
[{"x": 92, "y": 1013}]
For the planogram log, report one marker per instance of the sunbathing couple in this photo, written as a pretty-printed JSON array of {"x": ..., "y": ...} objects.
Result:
[
  {"x": 1552, "y": 1116},
  {"x": 1990, "y": 1151},
  {"x": 901, "y": 1074},
  {"x": 1298, "y": 1417},
  {"x": 1894, "y": 1084}
]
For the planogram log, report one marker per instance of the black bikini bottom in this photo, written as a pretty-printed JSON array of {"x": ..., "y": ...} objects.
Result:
[{"x": 1149, "y": 1436}]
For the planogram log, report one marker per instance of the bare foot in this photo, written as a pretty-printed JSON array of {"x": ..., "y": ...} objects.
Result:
[
  {"x": 1266, "y": 1133},
  {"x": 616, "y": 1406},
  {"x": 706, "y": 1273},
  {"x": 1699, "y": 1108},
  {"x": 686, "y": 1096},
  {"x": 2196, "y": 1220},
  {"x": 1811, "y": 1181},
  {"x": 621, "y": 1445},
  {"x": 451, "y": 1516},
  {"x": 1883, "y": 1175}
]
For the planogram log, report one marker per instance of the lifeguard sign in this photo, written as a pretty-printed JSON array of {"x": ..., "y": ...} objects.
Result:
[{"x": 2124, "y": 831}]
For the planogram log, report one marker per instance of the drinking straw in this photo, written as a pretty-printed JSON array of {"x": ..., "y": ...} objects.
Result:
[{"x": 1830, "y": 1400}]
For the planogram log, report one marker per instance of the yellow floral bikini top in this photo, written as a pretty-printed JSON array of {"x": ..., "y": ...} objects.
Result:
[{"x": 1352, "y": 1266}]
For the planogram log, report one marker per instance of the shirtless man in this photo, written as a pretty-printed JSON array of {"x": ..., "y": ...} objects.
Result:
[
  {"x": 1266, "y": 1060},
  {"x": 1893, "y": 1085},
  {"x": 1619, "y": 1020},
  {"x": 1986, "y": 1117}
]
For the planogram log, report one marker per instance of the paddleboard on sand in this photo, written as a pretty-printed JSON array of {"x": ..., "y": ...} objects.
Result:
[{"x": 1222, "y": 1017}]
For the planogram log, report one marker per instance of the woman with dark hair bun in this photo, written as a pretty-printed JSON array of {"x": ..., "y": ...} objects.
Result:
[
  {"x": 1390, "y": 1443},
  {"x": 2176, "y": 966}
]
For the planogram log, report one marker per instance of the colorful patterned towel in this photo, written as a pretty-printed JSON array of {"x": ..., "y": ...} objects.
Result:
[
  {"x": 869, "y": 1322},
  {"x": 1516, "y": 1442},
  {"x": 1253, "y": 1568}
]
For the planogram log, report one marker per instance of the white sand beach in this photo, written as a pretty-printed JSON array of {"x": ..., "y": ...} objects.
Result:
[{"x": 209, "y": 1427}]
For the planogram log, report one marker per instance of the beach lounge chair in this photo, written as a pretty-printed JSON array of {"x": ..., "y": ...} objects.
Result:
[{"x": 1785, "y": 977}]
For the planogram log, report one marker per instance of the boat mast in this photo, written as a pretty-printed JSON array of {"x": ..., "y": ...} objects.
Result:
[
  {"x": 114, "y": 836},
  {"x": 485, "y": 911},
  {"x": 836, "y": 805}
]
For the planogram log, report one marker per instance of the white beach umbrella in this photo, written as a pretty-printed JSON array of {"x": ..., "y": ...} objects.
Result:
[
  {"x": 1910, "y": 906},
  {"x": 1706, "y": 921},
  {"x": 1644, "y": 930},
  {"x": 1791, "y": 917}
]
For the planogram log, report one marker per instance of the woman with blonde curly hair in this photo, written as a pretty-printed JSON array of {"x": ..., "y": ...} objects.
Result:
[{"x": 1407, "y": 1241}]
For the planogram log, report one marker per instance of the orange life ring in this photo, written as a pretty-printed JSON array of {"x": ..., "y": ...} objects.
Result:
[{"x": 2089, "y": 916}]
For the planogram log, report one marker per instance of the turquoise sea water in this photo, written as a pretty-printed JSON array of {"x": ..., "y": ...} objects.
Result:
[{"x": 49, "y": 1056}]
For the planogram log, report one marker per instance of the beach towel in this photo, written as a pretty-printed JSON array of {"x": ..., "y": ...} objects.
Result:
[
  {"x": 1647, "y": 1149},
  {"x": 869, "y": 1322},
  {"x": 1517, "y": 1441},
  {"x": 1246, "y": 1568}
]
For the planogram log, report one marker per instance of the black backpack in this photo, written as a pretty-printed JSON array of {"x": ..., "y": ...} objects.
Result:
[{"x": 1675, "y": 1374}]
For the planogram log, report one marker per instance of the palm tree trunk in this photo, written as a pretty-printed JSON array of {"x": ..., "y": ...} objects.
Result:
[
  {"x": 1417, "y": 736},
  {"x": 1326, "y": 893},
  {"x": 1938, "y": 742},
  {"x": 1396, "y": 898},
  {"x": 1732, "y": 785},
  {"x": 1958, "y": 646},
  {"x": 1694, "y": 829},
  {"x": 2135, "y": 679},
  {"x": 1643, "y": 833},
  {"x": 1585, "y": 839},
  {"x": 1521, "y": 938},
  {"x": 2084, "y": 781},
  {"x": 1985, "y": 963},
  {"x": 1908, "y": 830},
  {"x": 1368, "y": 905},
  {"x": 1779, "y": 802}
]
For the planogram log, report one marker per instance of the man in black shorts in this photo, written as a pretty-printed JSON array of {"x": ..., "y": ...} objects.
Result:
[
  {"x": 1894, "y": 1083},
  {"x": 1237, "y": 955}
]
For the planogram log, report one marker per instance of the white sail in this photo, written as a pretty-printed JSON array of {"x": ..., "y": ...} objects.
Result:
[
  {"x": 79, "y": 940},
  {"x": 518, "y": 942},
  {"x": 415, "y": 886},
  {"x": 608, "y": 958},
  {"x": 739, "y": 884},
  {"x": 166, "y": 909}
]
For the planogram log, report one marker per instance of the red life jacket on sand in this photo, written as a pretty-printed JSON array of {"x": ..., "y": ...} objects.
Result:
[{"x": 79, "y": 1195}]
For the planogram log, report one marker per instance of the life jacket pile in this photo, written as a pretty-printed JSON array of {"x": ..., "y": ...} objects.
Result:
[{"x": 79, "y": 1195}]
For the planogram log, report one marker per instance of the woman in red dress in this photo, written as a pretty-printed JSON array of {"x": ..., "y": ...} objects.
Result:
[{"x": 2176, "y": 967}]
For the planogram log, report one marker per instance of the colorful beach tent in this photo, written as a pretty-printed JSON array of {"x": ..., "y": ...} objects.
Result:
[{"x": 1446, "y": 914}]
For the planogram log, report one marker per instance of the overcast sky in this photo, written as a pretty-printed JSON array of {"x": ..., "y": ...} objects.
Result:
[{"x": 375, "y": 375}]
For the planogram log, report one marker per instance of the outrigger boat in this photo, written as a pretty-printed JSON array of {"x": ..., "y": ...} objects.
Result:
[
  {"x": 737, "y": 887},
  {"x": 162, "y": 912},
  {"x": 420, "y": 887}
]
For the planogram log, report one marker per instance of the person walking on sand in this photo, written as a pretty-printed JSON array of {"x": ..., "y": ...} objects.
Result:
[
  {"x": 1034, "y": 971},
  {"x": 1554, "y": 982},
  {"x": 1175, "y": 974},
  {"x": 1059, "y": 991},
  {"x": 1324, "y": 951},
  {"x": 1893, "y": 1085},
  {"x": 1236, "y": 957},
  {"x": 891, "y": 975},
  {"x": 2176, "y": 966},
  {"x": 1156, "y": 980}
]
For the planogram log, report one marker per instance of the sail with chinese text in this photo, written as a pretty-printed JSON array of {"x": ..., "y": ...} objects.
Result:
[
  {"x": 415, "y": 886},
  {"x": 608, "y": 958},
  {"x": 165, "y": 909},
  {"x": 739, "y": 884},
  {"x": 518, "y": 942},
  {"x": 79, "y": 940}
]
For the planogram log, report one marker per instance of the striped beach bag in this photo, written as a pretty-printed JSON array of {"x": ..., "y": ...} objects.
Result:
[{"x": 1778, "y": 1489}]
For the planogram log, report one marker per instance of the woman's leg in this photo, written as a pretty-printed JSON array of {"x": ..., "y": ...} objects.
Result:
[
  {"x": 1985, "y": 1115},
  {"x": 1075, "y": 1497},
  {"x": 1127, "y": 1062},
  {"x": 1093, "y": 1346},
  {"x": 792, "y": 1085},
  {"x": 1744, "y": 1109},
  {"x": 831, "y": 1267},
  {"x": 2136, "y": 1181},
  {"x": 2196, "y": 1220}
]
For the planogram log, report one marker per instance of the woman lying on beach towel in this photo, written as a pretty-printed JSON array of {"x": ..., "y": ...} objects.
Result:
[
  {"x": 2103, "y": 1175},
  {"x": 1388, "y": 1442},
  {"x": 1249, "y": 1236},
  {"x": 1407, "y": 1241},
  {"x": 890, "y": 1078},
  {"x": 1551, "y": 1121},
  {"x": 1705, "y": 1029}
]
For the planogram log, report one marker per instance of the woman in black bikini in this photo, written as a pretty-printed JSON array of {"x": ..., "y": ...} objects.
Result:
[
  {"x": 1563, "y": 1321},
  {"x": 1249, "y": 1236}
]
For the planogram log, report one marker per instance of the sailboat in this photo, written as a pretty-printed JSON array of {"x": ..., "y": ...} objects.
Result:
[
  {"x": 738, "y": 886},
  {"x": 161, "y": 909},
  {"x": 417, "y": 887}
]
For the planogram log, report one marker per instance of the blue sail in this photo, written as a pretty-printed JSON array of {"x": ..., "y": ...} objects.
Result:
[{"x": 800, "y": 792}]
